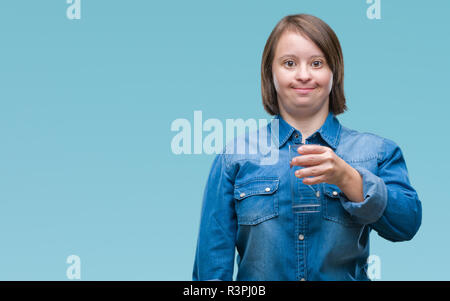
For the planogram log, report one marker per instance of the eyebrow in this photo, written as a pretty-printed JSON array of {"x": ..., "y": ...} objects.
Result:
[{"x": 293, "y": 55}]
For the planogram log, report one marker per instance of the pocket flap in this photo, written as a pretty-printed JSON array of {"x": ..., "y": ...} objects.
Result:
[
  {"x": 333, "y": 209},
  {"x": 332, "y": 190},
  {"x": 255, "y": 187}
]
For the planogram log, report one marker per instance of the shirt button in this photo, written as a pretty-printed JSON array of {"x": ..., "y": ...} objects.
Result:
[
  {"x": 301, "y": 237},
  {"x": 296, "y": 135},
  {"x": 335, "y": 192},
  {"x": 267, "y": 189},
  {"x": 242, "y": 195},
  {"x": 318, "y": 194}
]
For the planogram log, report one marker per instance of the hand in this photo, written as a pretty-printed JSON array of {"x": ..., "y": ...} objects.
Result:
[
  {"x": 322, "y": 164},
  {"x": 326, "y": 167}
]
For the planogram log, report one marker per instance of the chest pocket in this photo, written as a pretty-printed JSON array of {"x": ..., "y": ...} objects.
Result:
[
  {"x": 333, "y": 209},
  {"x": 256, "y": 200}
]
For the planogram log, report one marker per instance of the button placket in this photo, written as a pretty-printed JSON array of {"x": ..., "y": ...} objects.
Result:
[{"x": 301, "y": 246}]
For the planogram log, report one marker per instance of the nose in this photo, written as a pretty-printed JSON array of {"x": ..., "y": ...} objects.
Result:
[{"x": 302, "y": 73}]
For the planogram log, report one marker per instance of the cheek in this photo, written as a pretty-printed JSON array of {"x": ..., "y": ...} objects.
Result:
[
  {"x": 275, "y": 81},
  {"x": 326, "y": 81},
  {"x": 280, "y": 80}
]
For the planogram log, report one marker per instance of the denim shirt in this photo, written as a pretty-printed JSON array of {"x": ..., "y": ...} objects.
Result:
[{"x": 247, "y": 208}]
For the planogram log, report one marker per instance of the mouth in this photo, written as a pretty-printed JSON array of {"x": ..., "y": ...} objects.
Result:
[{"x": 303, "y": 90}]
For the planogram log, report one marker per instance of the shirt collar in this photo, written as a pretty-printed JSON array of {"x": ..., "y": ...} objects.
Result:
[{"x": 330, "y": 130}]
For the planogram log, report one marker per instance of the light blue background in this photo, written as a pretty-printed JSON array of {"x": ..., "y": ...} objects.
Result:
[{"x": 86, "y": 166}]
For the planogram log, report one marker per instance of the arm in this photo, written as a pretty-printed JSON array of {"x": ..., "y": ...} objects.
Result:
[
  {"x": 391, "y": 205},
  {"x": 352, "y": 184},
  {"x": 214, "y": 257}
]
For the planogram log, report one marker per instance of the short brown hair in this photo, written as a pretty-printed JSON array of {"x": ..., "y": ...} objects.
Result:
[{"x": 325, "y": 38}]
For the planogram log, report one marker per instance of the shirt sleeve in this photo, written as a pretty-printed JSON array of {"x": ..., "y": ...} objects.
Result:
[
  {"x": 214, "y": 257},
  {"x": 391, "y": 205}
]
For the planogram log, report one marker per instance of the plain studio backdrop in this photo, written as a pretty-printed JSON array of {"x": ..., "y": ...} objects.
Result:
[{"x": 87, "y": 102}]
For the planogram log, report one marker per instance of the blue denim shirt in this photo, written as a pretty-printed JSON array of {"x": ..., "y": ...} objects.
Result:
[{"x": 247, "y": 208}]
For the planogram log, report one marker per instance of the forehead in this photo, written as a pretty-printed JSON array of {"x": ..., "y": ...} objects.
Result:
[{"x": 294, "y": 43}]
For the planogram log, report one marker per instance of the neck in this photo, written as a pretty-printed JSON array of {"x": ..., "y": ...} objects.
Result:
[{"x": 306, "y": 124}]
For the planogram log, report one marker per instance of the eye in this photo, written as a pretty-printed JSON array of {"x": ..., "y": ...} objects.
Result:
[
  {"x": 289, "y": 63},
  {"x": 317, "y": 64}
]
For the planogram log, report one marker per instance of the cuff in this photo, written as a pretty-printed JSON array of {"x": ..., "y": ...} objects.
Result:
[{"x": 375, "y": 199}]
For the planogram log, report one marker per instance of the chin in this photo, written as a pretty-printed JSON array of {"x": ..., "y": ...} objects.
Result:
[{"x": 303, "y": 101}]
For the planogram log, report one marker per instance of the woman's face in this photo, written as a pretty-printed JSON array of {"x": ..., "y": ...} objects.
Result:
[{"x": 301, "y": 76}]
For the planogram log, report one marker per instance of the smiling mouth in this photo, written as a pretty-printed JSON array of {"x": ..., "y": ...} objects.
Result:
[{"x": 303, "y": 90}]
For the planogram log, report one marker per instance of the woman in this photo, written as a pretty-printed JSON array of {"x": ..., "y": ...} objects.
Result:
[{"x": 361, "y": 179}]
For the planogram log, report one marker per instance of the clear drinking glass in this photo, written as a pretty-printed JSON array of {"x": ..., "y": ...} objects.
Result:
[{"x": 305, "y": 198}]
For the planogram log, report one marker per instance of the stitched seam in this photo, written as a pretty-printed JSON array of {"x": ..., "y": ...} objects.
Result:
[
  {"x": 305, "y": 254},
  {"x": 259, "y": 179},
  {"x": 250, "y": 222},
  {"x": 364, "y": 160},
  {"x": 225, "y": 232}
]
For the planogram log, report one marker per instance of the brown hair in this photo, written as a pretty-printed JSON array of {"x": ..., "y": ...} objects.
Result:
[{"x": 321, "y": 35}]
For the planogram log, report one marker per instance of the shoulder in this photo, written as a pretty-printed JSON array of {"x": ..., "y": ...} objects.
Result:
[
  {"x": 250, "y": 142},
  {"x": 358, "y": 146},
  {"x": 252, "y": 147},
  {"x": 353, "y": 136}
]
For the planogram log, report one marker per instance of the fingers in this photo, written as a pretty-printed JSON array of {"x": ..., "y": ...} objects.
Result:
[
  {"x": 309, "y": 172},
  {"x": 307, "y": 160},
  {"x": 312, "y": 149},
  {"x": 311, "y": 175},
  {"x": 313, "y": 181}
]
